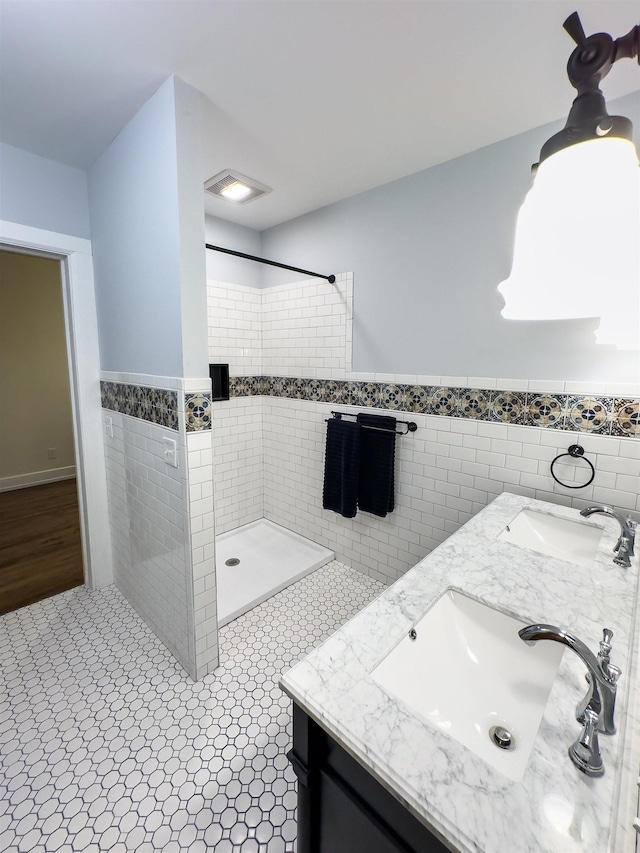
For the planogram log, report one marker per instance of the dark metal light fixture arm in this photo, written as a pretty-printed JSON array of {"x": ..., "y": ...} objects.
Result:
[
  {"x": 588, "y": 65},
  {"x": 628, "y": 47},
  {"x": 595, "y": 55}
]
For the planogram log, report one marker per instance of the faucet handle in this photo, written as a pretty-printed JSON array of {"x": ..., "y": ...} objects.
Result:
[
  {"x": 624, "y": 549},
  {"x": 612, "y": 673},
  {"x": 625, "y": 545},
  {"x": 631, "y": 526},
  {"x": 585, "y": 751},
  {"x": 605, "y": 644}
]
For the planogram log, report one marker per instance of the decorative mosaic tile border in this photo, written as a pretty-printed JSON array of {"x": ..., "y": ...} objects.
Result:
[
  {"x": 157, "y": 405},
  {"x": 588, "y": 414},
  {"x": 197, "y": 412},
  {"x": 578, "y": 413}
]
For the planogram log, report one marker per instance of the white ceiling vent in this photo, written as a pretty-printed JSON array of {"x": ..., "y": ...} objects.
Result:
[{"x": 235, "y": 187}]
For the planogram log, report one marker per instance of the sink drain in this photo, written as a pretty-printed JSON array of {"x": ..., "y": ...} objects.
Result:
[
  {"x": 232, "y": 561},
  {"x": 501, "y": 737}
]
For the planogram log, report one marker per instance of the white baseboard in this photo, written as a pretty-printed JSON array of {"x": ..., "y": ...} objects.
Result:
[{"x": 37, "y": 478}]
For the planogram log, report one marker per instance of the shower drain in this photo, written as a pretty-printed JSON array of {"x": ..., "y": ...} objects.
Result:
[{"x": 232, "y": 561}]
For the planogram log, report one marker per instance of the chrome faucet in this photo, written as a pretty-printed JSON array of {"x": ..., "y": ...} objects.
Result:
[
  {"x": 602, "y": 675},
  {"x": 624, "y": 546},
  {"x": 595, "y": 711}
]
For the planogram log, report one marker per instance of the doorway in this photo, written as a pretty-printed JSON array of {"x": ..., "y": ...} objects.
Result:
[
  {"x": 81, "y": 326},
  {"x": 41, "y": 552}
]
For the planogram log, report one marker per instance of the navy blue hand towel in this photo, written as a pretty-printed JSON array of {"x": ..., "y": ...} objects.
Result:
[
  {"x": 341, "y": 466},
  {"x": 377, "y": 461}
]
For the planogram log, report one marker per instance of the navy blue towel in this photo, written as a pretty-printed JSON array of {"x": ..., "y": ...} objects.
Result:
[
  {"x": 377, "y": 462},
  {"x": 341, "y": 466}
]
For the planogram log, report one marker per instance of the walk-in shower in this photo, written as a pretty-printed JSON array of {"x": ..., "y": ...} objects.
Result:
[{"x": 257, "y": 560}]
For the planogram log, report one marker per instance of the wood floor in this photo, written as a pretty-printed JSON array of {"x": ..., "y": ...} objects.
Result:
[{"x": 40, "y": 550}]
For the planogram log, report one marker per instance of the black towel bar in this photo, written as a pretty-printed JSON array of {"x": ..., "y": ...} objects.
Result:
[{"x": 411, "y": 425}]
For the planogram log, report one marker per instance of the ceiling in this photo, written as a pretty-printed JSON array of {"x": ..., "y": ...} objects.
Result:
[{"x": 319, "y": 99}]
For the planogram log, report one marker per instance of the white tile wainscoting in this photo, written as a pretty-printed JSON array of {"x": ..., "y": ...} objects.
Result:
[
  {"x": 202, "y": 528},
  {"x": 162, "y": 528},
  {"x": 269, "y": 450},
  {"x": 445, "y": 472},
  {"x": 149, "y": 529}
]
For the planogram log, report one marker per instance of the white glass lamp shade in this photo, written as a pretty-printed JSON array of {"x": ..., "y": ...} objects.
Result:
[{"x": 577, "y": 248}]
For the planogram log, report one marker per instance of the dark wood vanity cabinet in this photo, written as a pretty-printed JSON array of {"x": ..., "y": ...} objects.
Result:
[{"x": 341, "y": 807}]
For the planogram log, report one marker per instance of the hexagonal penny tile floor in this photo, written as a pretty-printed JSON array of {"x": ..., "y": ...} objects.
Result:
[{"x": 107, "y": 745}]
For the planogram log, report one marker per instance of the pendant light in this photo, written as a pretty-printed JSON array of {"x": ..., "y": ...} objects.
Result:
[{"x": 577, "y": 247}]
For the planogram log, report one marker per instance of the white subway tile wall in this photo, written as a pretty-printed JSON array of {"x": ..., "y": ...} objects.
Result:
[
  {"x": 445, "y": 472},
  {"x": 162, "y": 530},
  {"x": 238, "y": 462},
  {"x": 304, "y": 329},
  {"x": 235, "y": 327},
  {"x": 444, "y": 476},
  {"x": 202, "y": 527},
  {"x": 300, "y": 329},
  {"x": 150, "y": 533}
]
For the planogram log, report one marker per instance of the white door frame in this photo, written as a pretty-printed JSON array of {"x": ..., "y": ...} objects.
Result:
[{"x": 81, "y": 326}]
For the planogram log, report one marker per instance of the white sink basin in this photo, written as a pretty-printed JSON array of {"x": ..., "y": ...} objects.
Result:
[
  {"x": 574, "y": 541},
  {"x": 468, "y": 671}
]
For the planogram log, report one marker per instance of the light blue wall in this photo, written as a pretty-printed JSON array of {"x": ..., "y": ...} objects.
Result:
[
  {"x": 193, "y": 291},
  {"x": 43, "y": 194},
  {"x": 222, "y": 267},
  {"x": 428, "y": 252},
  {"x": 133, "y": 200}
]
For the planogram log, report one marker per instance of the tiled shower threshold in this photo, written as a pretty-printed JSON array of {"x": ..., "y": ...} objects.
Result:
[{"x": 107, "y": 745}]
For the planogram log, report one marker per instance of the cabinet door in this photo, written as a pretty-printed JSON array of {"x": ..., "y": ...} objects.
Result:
[
  {"x": 348, "y": 827},
  {"x": 341, "y": 807}
]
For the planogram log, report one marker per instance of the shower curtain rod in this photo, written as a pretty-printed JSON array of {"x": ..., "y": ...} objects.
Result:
[{"x": 330, "y": 278}]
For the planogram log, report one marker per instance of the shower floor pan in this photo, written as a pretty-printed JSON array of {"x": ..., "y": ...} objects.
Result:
[{"x": 270, "y": 558}]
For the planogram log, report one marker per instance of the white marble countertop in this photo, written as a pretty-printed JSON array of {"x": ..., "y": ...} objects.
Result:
[{"x": 459, "y": 797}]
